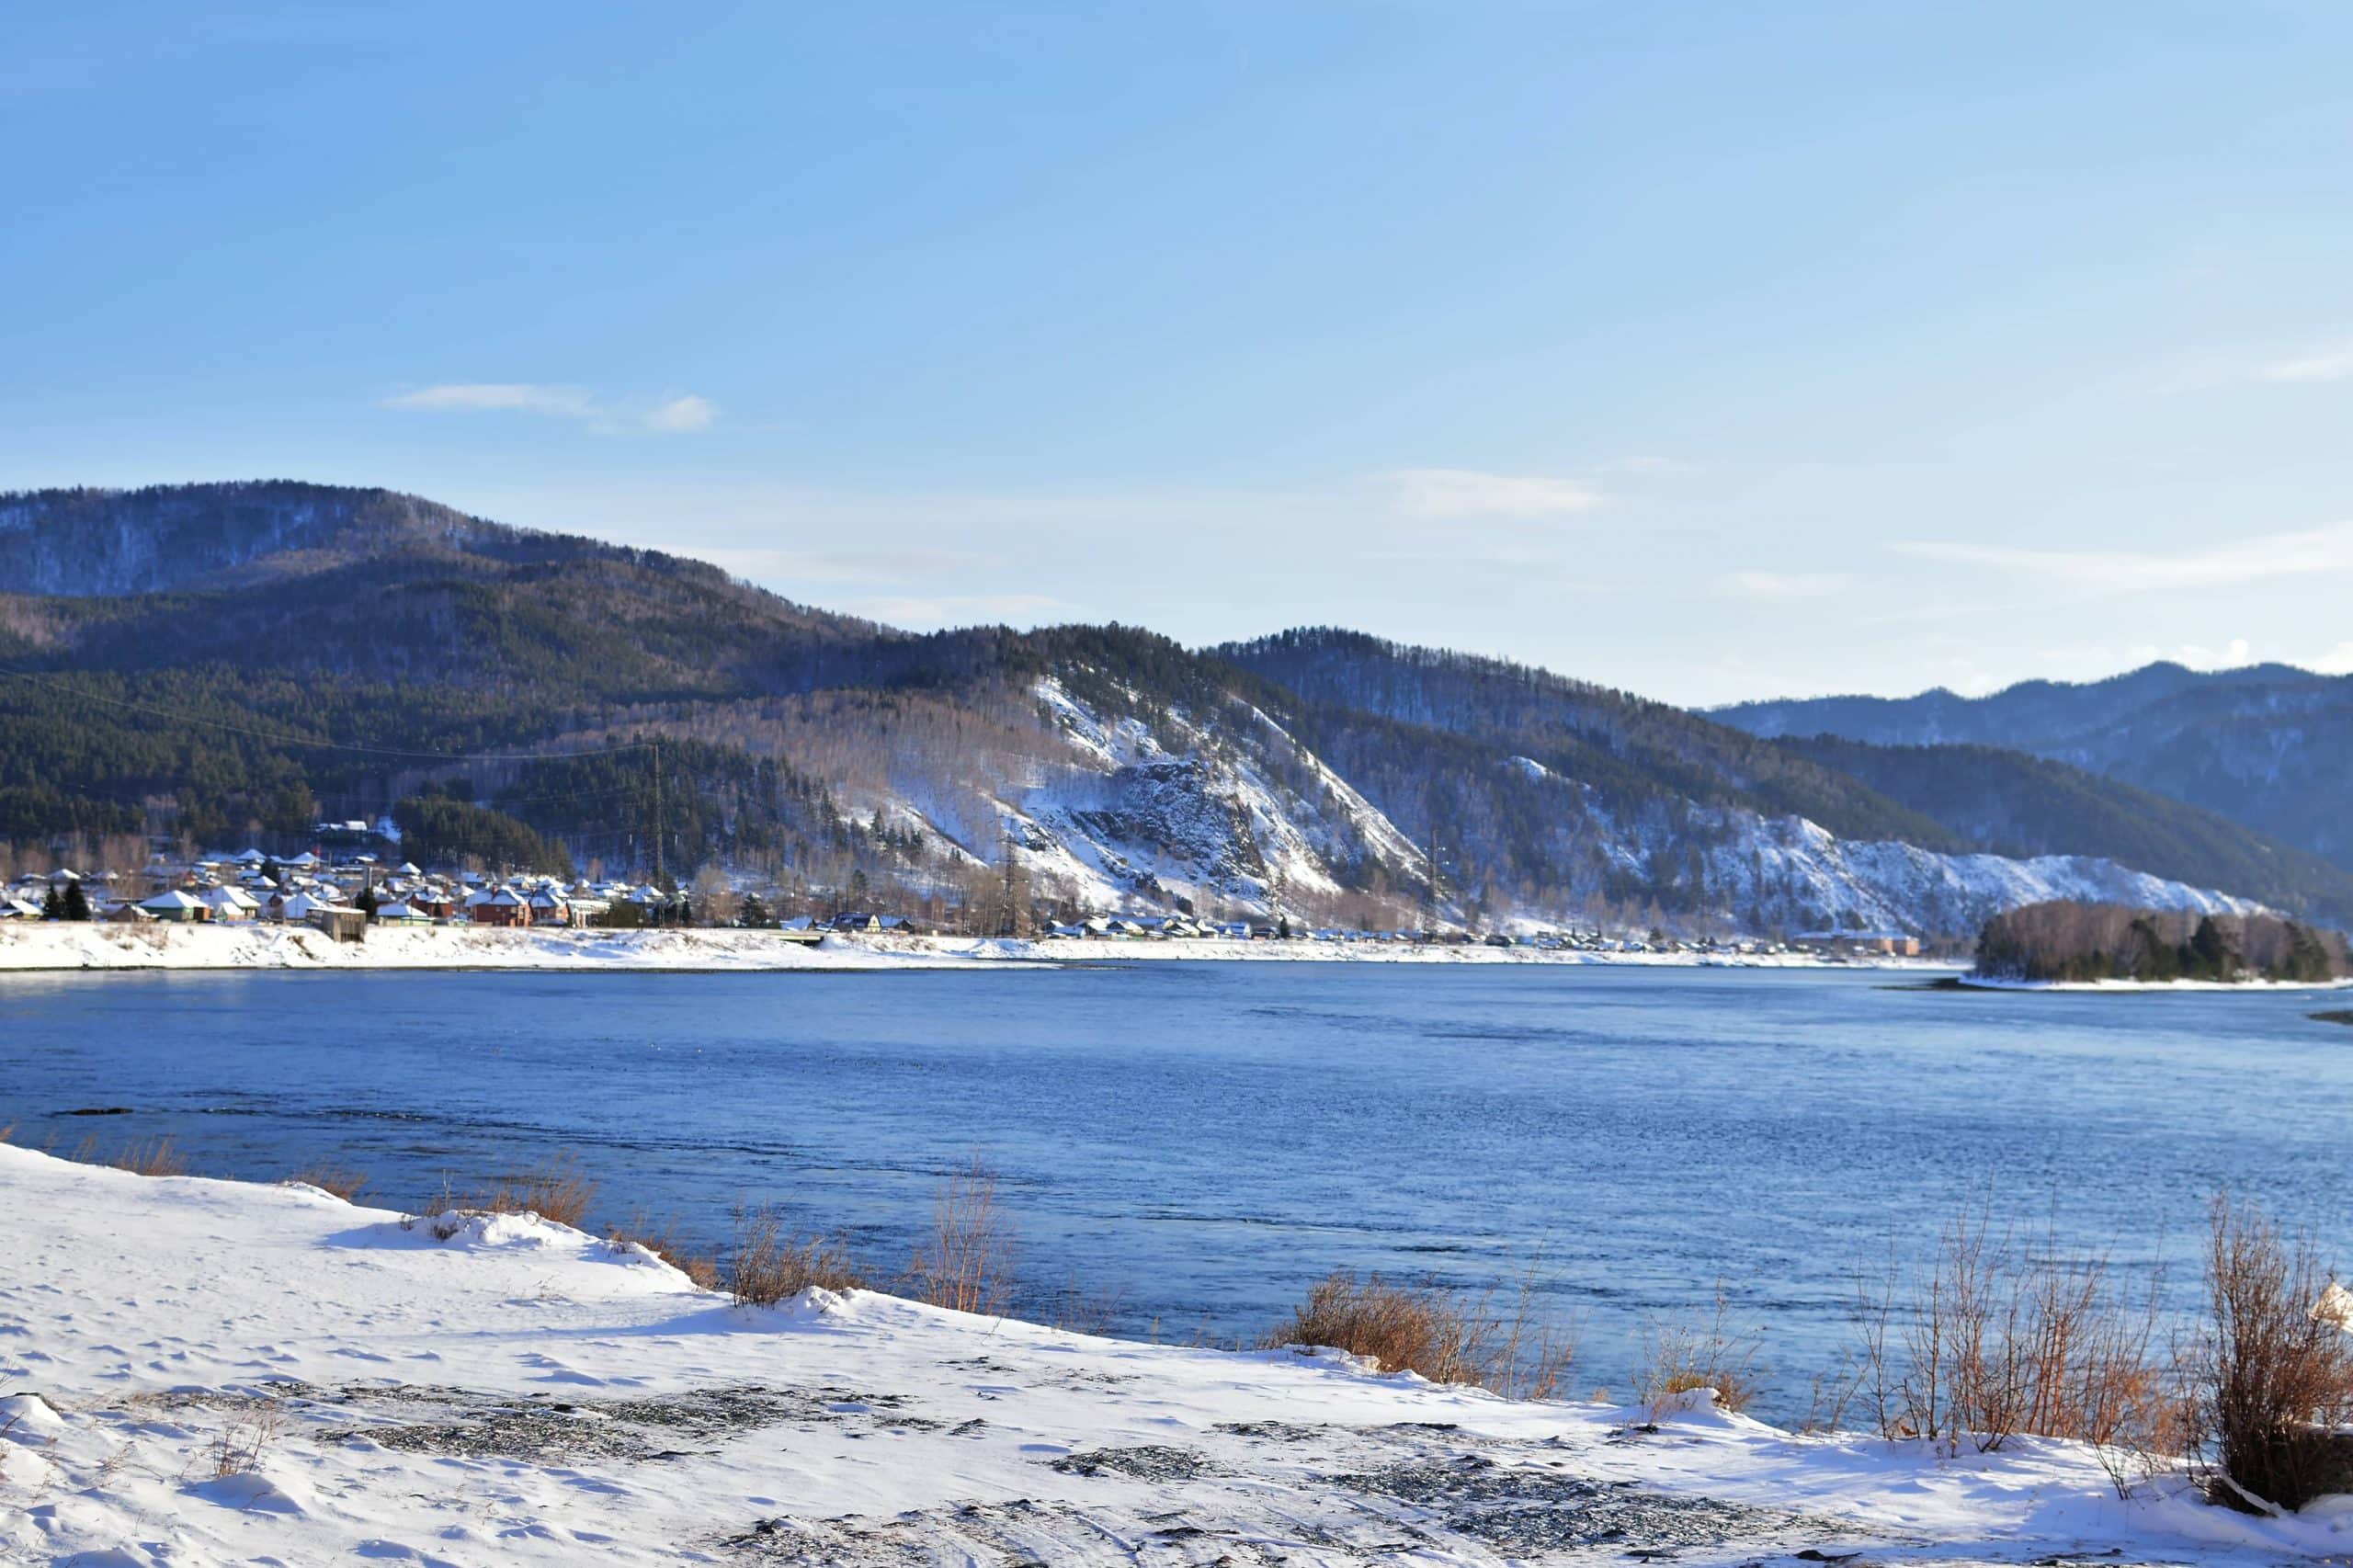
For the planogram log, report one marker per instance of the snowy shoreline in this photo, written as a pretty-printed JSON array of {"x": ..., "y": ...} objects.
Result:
[
  {"x": 65, "y": 946},
  {"x": 198, "y": 1372},
  {"x": 2150, "y": 987}
]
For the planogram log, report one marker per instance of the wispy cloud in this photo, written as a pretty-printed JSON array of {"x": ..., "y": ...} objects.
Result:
[
  {"x": 1783, "y": 584},
  {"x": 921, "y": 613},
  {"x": 1466, "y": 492},
  {"x": 764, "y": 565},
  {"x": 2261, "y": 559},
  {"x": 672, "y": 413},
  {"x": 478, "y": 397},
  {"x": 684, "y": 412},
  {"x": 2332, "y": 363}
]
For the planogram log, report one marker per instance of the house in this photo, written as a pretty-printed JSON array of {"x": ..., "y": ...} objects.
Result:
[
  {"x": 547, "y": 907},
  {"x": 402, "y": 914},
  {"x": 857, "y": 922},
  {"x": 12, "y": 908},
  {"x": 176, "y": 906},
  {"x": 504, "y": 906},
  {"x": 230, "y": 903}
]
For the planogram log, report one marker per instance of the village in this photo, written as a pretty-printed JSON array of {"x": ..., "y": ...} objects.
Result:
[{"x": 345, "y": 894}]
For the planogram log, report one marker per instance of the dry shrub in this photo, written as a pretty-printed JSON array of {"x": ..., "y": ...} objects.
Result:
[
  {"x": 1998, "y": 1338},
  {"x": 765, "y": 1265},
  {"x": 327, "y": 1176},
  {"x": 157, "y": 1157},
  {"x": 1706, "y": 1352},
  {"x": 664, "y": 1242},
  {"x": 1075, "y": 1309},
  {"x": 966, "y": 1263},
  {"x": 2269, "y": 1374},
  {"x": 238, "y": 1446},
  {"x": 1448, "y": 1337},
  {"x": 557, "y": 1191}
]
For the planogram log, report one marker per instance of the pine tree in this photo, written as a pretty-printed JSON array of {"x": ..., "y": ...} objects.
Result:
[
  {"x": 52, "y": 907},
  {"x": 76, "y": 903}
]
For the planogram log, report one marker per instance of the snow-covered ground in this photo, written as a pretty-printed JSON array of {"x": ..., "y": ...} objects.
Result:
[
  {"x": 198, "y": 1372},
  {"x": 54, "y": 945},
  {"x": 1094, "y": 950},
  {"x": 1983, "y": 983},
  {"x": 51, "y": 945}
]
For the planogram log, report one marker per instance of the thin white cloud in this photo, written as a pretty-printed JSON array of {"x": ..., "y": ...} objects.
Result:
[
  {"x": 2262, "y": 559},
  {"x": 684, "y": 412},
  {"x": 675, "y": 413},
  {"x": 764, "y": 564},
  {"x": 477, "y": 397},
  {"x": 1783, "y": 584},
  {"x": 2334, "y": 363},
  {"x": 1466, "y": 492},
  {"x": 927, "y": 614}
]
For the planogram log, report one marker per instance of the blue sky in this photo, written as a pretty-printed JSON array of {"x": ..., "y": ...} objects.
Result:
[{"x": 1709, "y": 351}]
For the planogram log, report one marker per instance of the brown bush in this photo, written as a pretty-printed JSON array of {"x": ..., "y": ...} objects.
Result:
[
  {"x": 556, "y": 1190},
  {"x": 664, "y": 1242},
  {"x": 154, "y": 1158},
  {"x": 328, "y": 1177},
  {"x": 765, "y": 1266},
  {"x": 2269, "y": 1374},
  {"x": 966, "y": 1262},
  {"x": 1997, "y": 1338},
  {"x": 1448, "y": 1337},
  {"x": 1678, "y": 1355}
]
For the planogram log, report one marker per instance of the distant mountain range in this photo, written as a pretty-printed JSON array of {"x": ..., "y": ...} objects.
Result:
[
  {"x": 2268, "y": 748},
  {"x": 229, "y": 661}
]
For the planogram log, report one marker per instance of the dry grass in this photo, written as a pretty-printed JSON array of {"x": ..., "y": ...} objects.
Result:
[
  {"x": 664, "y": 1242},
  {"x": 328, "y": 1177},
  {"x": 154, "y": 1157},
  {"x": 2268, "y": 1375},
  {"x": 765, "y": 1265},
  {"x": 1702, "y": 1352},
  {"x": 238, "y": 1446},
  {"x": 1448, "y": 1337},
  {"x": 556, "y": 1190},
  {"x": 1999, "y": 1338},
  {"x": 1076, "y": 1310},
  {"x": 966, "y": 1264}
]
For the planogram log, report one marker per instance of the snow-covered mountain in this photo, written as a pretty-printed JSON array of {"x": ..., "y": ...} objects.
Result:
[
  {"x": 2269, "y": 746},
  {"x": 223, "y": 662}
]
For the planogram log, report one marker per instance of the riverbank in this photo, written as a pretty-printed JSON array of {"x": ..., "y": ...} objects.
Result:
[
  {"x": 2127, "y": 987},
  {"x": 60, "y": 945},
  {"x": 198, "y": 1372}
]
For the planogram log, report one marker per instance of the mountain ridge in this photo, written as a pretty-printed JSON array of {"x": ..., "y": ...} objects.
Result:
[
  {"x": 2266, "y": 746},
  {"x": 227, "y": 643}
]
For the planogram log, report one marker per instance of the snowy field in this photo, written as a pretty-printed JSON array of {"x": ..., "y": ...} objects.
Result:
[
  {"x": 54, "y": 945},
  {"x": 197, "y": 1373},
  {"x": 62, "y": 944}
]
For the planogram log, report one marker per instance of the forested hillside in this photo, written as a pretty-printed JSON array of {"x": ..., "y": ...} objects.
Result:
[
  {"x": 2012, "y": 804},
  {"x": 2268, "y": 748},
  {"x": 211, "y": 664}
]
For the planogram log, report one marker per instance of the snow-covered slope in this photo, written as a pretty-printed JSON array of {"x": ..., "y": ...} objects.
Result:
[
  {"x": 1228, "y": 811},
  {"x": 197, "y": 1373}
]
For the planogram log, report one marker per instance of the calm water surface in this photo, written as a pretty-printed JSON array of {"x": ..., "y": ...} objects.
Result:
[{"x": 1209, "y": 1138}]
